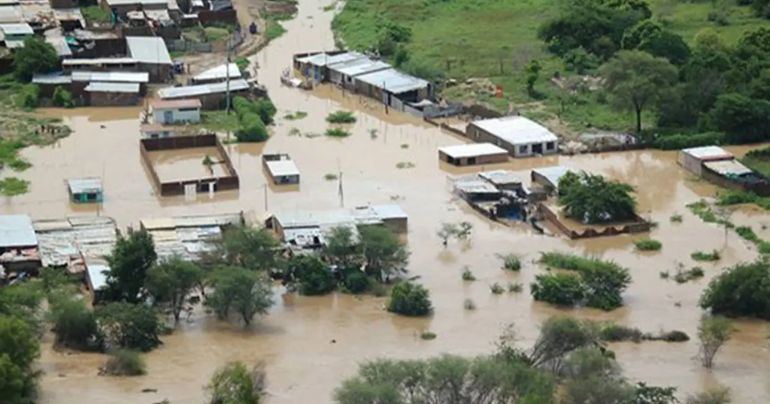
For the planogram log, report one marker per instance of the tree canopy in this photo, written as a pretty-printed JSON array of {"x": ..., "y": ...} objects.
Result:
[
  {"x": 383, "y": 253},
  {"x": 130, "y": 326},
  {"x": 171, "y": 281},
  {"x": 410, "y": 299},
  {"x": 743, "y": 290},
  {"x": 239, "y": 290},
  {"x": 36, "y": 56},
  {"x": 129, "y": 262},
  {"x": 248, "y": 247},
  {"x": 593, "y": 199}
]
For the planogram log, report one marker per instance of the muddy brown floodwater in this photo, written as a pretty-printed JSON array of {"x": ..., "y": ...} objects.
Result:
[{"x": 295, "y": 340}]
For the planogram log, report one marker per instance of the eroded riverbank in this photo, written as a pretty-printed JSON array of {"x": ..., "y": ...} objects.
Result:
[{"x": 295, "y": 339}]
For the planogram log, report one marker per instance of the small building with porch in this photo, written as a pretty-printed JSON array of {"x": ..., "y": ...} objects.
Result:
[
  {"x": 85, "y": 190},
  {"x": 522, "y": 137},
  {"x": 393, "y": 88},
  {"x": 472, "y": 154},
  {"x": 170, "y": 112}
]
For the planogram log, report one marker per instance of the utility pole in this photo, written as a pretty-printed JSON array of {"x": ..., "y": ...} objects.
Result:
[{"x": 227, "y": 74}]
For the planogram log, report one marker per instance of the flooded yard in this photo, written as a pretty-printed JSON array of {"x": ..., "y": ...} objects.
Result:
[
  {"x": 311, "y": 344},
  {"x": 187, "y": 164}
]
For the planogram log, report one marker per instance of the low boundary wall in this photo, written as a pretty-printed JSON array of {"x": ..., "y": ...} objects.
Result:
[{"x": 639, "y": 225}]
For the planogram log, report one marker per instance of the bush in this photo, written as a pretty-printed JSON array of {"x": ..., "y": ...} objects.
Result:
[
  {"x": 674, "y": 336},
  {"x": 515, "y": 287},
  {"x": 252, "y": 129},
  {"x": 130, "y": 326},
  {"x": 266, "y": 110},
  {"x": 409, "y": 299},
  {"x": 356, "y": 282},
  {"x": 743, "y": 290},
  {"x": 615, "y": 333},
  {"x": 124, "y": 363},
  {"x": 74, "y": 325},
  {"x": 559, "y": 289},
  {"x": 468, "y": 304},
  {"x": 706, "y": 256},
  {"x": 648, "y": 245},
  {"x": 468, "y": 275},
  {"x": 315, "y": 277},
  {"x": 747, "y": 233},
  {"x": 36, "y": 56},
  {"x": 28, "y": 96},
  {"x": 341, "y": 117},
  {"x": 593, "y": 199},
  {"x": 427, "y": 335},
  {"x": 243, "y": 106},
  {"x": 496, "y": 289},
  {"x": 603, "y": 282},
  {"x": 336, "y": 132},
  {"x": 683, "y": 141},
  {"x": 62, "y": 98},
  {"x": 511, "y": 262}
]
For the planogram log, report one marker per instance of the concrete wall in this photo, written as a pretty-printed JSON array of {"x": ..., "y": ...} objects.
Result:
[
  {"x": 104, "y": 99},
  {"x": 177, "y": 116},
  {"x": 477, "y": 160}
]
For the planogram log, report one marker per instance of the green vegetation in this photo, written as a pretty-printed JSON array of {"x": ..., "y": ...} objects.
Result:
[
  {"x": 684, "y": 276},
  {"x": 743, "y": 290},
  {"x": 341, "y": 117},
  {"x": 598, "y": 283},
  {"x": 74, "y": 325},
  {"x": 758, "y": 160},
  {"x": 331, "y": 177},
  {"x": 274, "y": 29},
  {"x": 12, "y": 186},
  {"x": 313, "y": 275},
  {"x": 611, "y": 332},
  {"x": 730, "y": 197},
  {"x": 124, "y": 363},
  {"x": 716, "y": 396},
  {"x": 296, "y": 115},
  {"x": 131, "y": 258},
  {"x": 511, "y": 262},
  {"x": 241, "y": 291},
  {"x": 220, "y": 121},
  {"x": 703, "y": 210},
  {"x": 713, "y": 333},
  {"x": 409, "y": 299},
  {"x": 676, "y": 218},
  {"x": 129, "y": 326},
  {"x": 19, "y": 347},
  {"x": 747, "y": 233},
  {"x": 242, "y": 63},
  {"x": 62, "y": 98},
  {"x": 337, "y": 132},
  {"x": 593, "y": 199},
  {"x": 253, "y": 116},
  {"x": 648, "y": 245},
  {"x": 459, "y": 231},
  {"x": 496, "y": 289},
  {"x": 28, "y": 97},
  {"x": 171, "y": 281},
  {"x": 36, "y": 56},
  {"x": 706, "y": 256},
  {"x": 468, "y": 275},
  {"x": 427, "y": 335},
  {"x": 215, "y": 34},
  {"x": 95, "y": 14},
  {"x": 235, "y": 383}
]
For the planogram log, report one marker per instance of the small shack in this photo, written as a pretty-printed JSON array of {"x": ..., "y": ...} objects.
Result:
[
  {"x": 85, "y": 190},
  {"x": 112, "y": 94},
  {"x": 96, "y": 279},
  {"x": 548, "y": 177},
  {"x": 520, "y": 136},
  {"x": 211, "y": 96},
  {"x": 18, "y": 245},
  {"x": 314, "y": 65},
  {"x": 472, "y": 154},
  {"x": 281, "y": 168},
  {"x": 344, "y": 73},
  {"x": 502, "y": 179},
  {"x": 169, "y": 112},
  {"x": 694, "y": 159},
  {"x": 393, "y": 88},
  {"x": 218, "y": 74},
  {"x": 151, "y": 56}
]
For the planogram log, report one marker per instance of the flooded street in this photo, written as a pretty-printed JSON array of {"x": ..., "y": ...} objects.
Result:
[{"x": 311, "y": 344}]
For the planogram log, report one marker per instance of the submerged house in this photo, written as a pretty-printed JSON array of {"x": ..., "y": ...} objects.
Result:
[
  {"x": 472, "y": 154},
  {"x": 85, "y": 190},
  {"x": 496, "y": 194},
  {"x": 344, "y": 74},
  {"x": 188, "y": 236},
  {"x": 315, "y": 65},
  {"x": 102, "y": 94},
  {"x": 522, "y": 137},
  {"x": 211, "y": 96},
  {"x": 281, "y": 168},
  {"x": 548, "y": 178},
  {"x": 393, "y": 88}
]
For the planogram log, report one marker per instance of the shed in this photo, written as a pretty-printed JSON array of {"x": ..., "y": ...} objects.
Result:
[
  {"x": 157, "y": 131},
  {"x": 99, "y": 64},
  {"x": 96, "y": 279},
  {"x": 522, "y": 137},
  {"x": 344, "y": 72},
  {"x": 60, "y": 44},
  {"x": 692, "y": 159},
  {"x": 548, "y": 177},
  {"x": 217, "y": 74},
  {"x": 472, "y": 154},
  {"x": 392, "y": 87},
  {"x": 85, "y": 190},
  {"x": 281, "y": 168},
  {"x": 315, "y": 65},
  {"x": 186, "y": 110},
  {"x": 151, "y": 55},
  {"x": 104, "y": 94}
]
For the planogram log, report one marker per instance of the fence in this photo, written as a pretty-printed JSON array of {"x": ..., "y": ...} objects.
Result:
[
  {"x": 639, "y": 225},
  {"x": 230, "y": 181}
]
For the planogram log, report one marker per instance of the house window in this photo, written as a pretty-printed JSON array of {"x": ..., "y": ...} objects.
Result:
[
  {"x": 523, "y": 149},
  {"x": 550, "y": 145}
]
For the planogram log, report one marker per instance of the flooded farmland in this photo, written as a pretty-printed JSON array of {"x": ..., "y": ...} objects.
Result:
[{"x": 310, "y": 344}]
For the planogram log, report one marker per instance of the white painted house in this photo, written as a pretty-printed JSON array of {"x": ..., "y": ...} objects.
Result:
[
  {"x": 522, "y": 137},
  {"x": 170, "y": 112}
]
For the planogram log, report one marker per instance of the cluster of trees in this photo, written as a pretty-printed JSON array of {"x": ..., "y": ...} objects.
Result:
[
  {"x": 19, "y": 346},
  {"x": 593, "y": 199},
  {"x": 568, "y": 364},
  {"x": 743, "y": 290},
  {"x": 253, "y": 117},
  {"x": 594, "y": 283}
]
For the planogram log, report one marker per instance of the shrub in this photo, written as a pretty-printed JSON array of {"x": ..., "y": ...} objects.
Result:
[
  {"x": 468, "y": 275},
  {"x": 559, "y": 289},
  {"x": 614, "y": 333},
  {"x": 688, "y": 275},
  {"x": 235, "y": 383},
  {"x": 648, "y": 245},
  {"x": 130, "y": 326},
  {"x": 511, "y": 262},
  {"x": 266, "y": 110},
  {"x": 764, "y": 247},
  {"x": 336, "y": 132},
  {"x": 12, "y": 186},
  {"x": 468, "y": 304},
  {"x": 747, "y": 233},
  {"x": 743, "y": 290},
  {"x": 495, "y": 288},
  {"x": 62, "y": 98},
  {"x": 602, "y": 282},
  {"x": 674, "y": 336},
  {"x": 676, "y": 218},
  {"x": 74, "y": 324},
  {"x": 356, "y": 281},
  {"x": 515, "y": 287},
  {"x": 341, "y": 117},
  {"x": 683, "y": 141},
  {"x": 315, "y": 277},
  {"x": 124, "y": 363},
  {"x": 409, "y": 299},
  {"x": 252, "y": 129},
  {"x": 706, "y": 256},
  {"x": 28, "y": 96},
  {"x": 243, "y": 106},
  {"x": 427, "y": 335}
]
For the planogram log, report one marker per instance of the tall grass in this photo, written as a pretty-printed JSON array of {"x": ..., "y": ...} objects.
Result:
[{"x": 575, "y": 262}]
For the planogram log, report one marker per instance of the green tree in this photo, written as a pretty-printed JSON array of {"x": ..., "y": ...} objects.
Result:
[
  {"x": 129, "y": 326},
  {"x": 252, "y": 129},
  {"x": 743, "y": 290},
  {"x": 124, "y": 362},
  {"x": 713, "y": 333},
  {"x": 560, "y": 289},
  {"x": 593, "y": 199},
  {"x": 340, "y": 248},
  {"x": 16, "y": 385},
  {"x": 636, "y": 80},
  {"x": 19, "y": 347},
  {"x": 234, "y": 383},
  {"x": 410, "y": 299},
  {"x": 36, "y": 56},
  {"x": 74, "y": 324},
  {"x": 383, "y": 253},
  {"x": 745, "y": 119},
  {"x": 248, "y": 247},
  {"x": 62, "y": 98},
  {"x": 559, "y": 337},
  {"x": 313, "y": 275},
  {"x": 131, "y": 257},
  {"x": 171, "y": 281},
  {"x": 716, "y": 396},
  {"x": 241, "y": 290},
  {"x": 533, "y": 72}
]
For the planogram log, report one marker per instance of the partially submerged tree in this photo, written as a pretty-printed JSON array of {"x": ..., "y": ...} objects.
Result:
[
  {"x": 713, "y": 333},
  {"x": 716, "y": 396},
  {"x": 341, "y": 248},
  {"x": 461, "y": 231},
  {"x": 131, "y": 257},
  {"x": 171, "y": 281},
  {"x": 383, "y": 253},
  {"x": 234, "y": 383},
  {"x": 245, "y": 292},
  {"x": 313, "y": 275},
  {"x": 74, "y": 325},
  {"x": 560, "y": 336},
  {"x": 129, "y": 326},
  {"x": 636, "y": 80},
  {"x": 743, "y": 290},
  {"x": 248, "y": 247},
  {"x": 593, "y": 199},
  {"x": 410, "y": 299}
]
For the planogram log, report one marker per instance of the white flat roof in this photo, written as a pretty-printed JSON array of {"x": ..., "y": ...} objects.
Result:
[
  {"x": 130, "y": 2},
  {"x": 472, "y": 150},
  {"x": 282, "y": 168},
  {"x": 708, "y": 153},
  {"x": 97, "y": 61},
  {"x": 324, "y": 59},
  {"x": 728, "y": 167},
  {"x": 101, "y": 87},
  {"x": 500, "y": 177},
  {"x": 85, "y": 185},
  {"x": 552, "y": 174},
  {"x": 112, "y": 77},
  {"x": 148, "y": 49},
  {"x": 393, "y": 81},
  {"x": 17, "y": 231},
  {"x": 476, "y": 187},
  {"x": 51, "y": 78},
  {"x": 219, "y": 73},
  {"x": 516, "y": 130},
  {"x": 202, "y": 89},
  {"x": 16, "y": 29},
  {"x": 60, "y": 44},
  {"x": 359, "y": 66}
]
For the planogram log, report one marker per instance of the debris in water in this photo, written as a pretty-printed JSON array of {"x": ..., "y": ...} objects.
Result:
[{"x": 404, "y": 164}]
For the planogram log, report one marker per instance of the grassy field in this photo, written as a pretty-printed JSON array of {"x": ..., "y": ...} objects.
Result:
[
  {"x": 758, "y": 160},
  {"x": 495, "y": 39}
]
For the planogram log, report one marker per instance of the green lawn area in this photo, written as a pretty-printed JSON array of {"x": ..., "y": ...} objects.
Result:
[
  {"x": 495, "y": 39},
  {"x": 219, "y": 121}
]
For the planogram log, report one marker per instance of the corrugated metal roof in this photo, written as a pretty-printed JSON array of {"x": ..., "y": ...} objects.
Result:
[
  {"x": 472, "y": 150},
  {"x": 500, "y": 177},
  {"x": 85, "y": 185},
  {"x": 385, "y": 212},
  {"x": 359, "y": 66},
  {"x": 16, "y": 29},
  {"x": 219, "y": 73},
  {"x": 52, "y": 78},
  {"x": 60, "y": 44},
  {"x": 708, "y": 153},
  {"x": 282, "y": 168},
  {"x": 201, "y": 89},
  {"x": 11, "y": 14},
  {"x": 97, "y": 61},
  {"x": 17, "y": 231},
  {"x": 175, "y": 104},
  {"x": 393, "y": 81},
  {"x": 111, "y": 77},
  {"x": 516, "y": 130},
  {"x": 63, "y": 241},
  {"x": 101, "y": 87},
  {"x": 728, "y": 168},
  {"x": 148, "y": 49},
  {"x": 475, "y": 187},
  {"x": 188, "y": 236},
  {"x": 324, "y": 59},
  {"x": 97, "y": 274}
]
